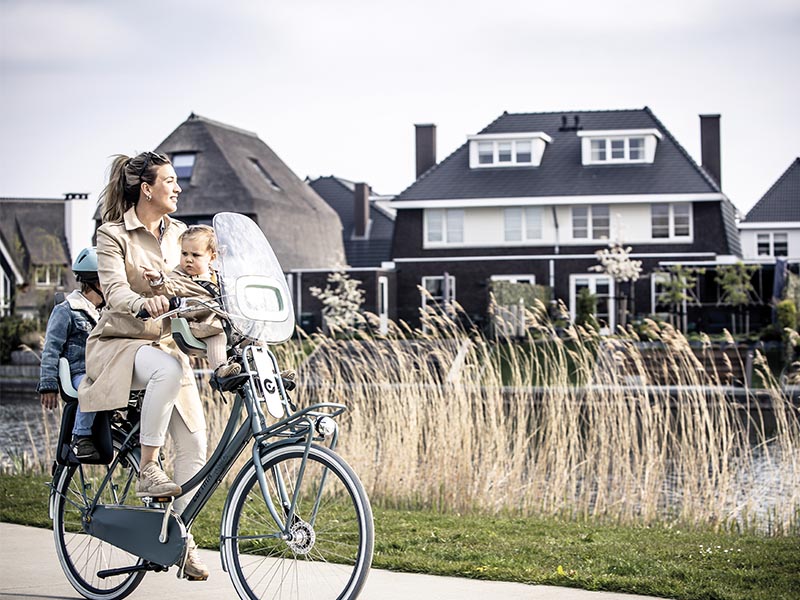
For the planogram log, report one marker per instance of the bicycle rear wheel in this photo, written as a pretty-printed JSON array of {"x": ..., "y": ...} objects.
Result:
[
  {"x": 328, "y": 552},
  {"x": 80, "y": 554}
]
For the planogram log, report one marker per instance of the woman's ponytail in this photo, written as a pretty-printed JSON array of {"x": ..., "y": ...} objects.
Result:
[{"x": 125, "y": 179}]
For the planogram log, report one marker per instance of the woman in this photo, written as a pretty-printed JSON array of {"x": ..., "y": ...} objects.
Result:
[{"x": 124, "y": 352}]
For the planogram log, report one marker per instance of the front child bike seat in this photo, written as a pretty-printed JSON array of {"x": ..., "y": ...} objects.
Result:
[{"x": 185, "y": 339}]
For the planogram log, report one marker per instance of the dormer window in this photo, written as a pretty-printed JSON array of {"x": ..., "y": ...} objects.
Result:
[
  {"x": 507, "y": 149},
  {"x": 183, "y": 164},
  {"x": 619, "y": 146}
]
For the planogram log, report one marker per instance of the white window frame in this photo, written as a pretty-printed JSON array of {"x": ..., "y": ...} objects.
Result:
[
  {"x": 592, "y": 280},
  {"x": 51, "y": 275},
  {"x": 383, "y": 305},
  {"x": 770, "y": 235},
  {"x": 515, "y": 278},
  {"x": 450, "y": 291},
  {"x": 671, "y": 228},
  {"x": 590, "y": 222},
  {"x": 449, "y": 218},
  {"x": 5, "y": 294},
  {"x": 607, "y": 138},
  {"x": 535, "y": 141},
  {"x": 528, "y": 215},
  {"x": 657, "y": 278}
]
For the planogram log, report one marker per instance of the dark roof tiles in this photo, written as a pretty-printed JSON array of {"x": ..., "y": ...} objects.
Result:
[
  {"x": 561, "y": 172},
  {"x": 781, "y": 203}
]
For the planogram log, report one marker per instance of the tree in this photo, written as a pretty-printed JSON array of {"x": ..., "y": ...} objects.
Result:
[
  {"x": 677, "y": 290},
  {"x": 737, "y": 288},
  {"x": 341, "y": 301},
  {"x": 615, "y": 261}
]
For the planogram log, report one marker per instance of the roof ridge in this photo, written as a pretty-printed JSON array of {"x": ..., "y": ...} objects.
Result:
[
  {"x": 202, "y": 119},
  {"x": 792, "y": 165},
  {"x": 22, "y": 199},
  {"x": 581, "y": 111},
  {"x": 714, "y": 185}
]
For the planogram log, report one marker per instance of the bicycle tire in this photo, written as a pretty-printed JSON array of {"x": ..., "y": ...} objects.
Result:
[
  {"x": 329, "y": 557},
  {"x": 82, "y": 555}
]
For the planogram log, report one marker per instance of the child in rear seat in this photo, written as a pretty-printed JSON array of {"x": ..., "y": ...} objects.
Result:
[{"x": 68, "y": 327}]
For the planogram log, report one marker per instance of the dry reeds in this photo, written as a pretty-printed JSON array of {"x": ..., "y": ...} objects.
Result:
[{"x": 568, "y": 425}]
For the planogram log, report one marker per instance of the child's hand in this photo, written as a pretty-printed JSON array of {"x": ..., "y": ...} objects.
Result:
[
  {"x": 49, "y": 400},
  {"x": 150, "y": 274}
]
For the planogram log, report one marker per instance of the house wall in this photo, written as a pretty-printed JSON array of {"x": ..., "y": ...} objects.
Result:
[
  {"x": 749, "y": 240},
  {"x": 308, "y": 309},
  {"x": 473, "y": 266},
  {"x": 629, "y": 223}
]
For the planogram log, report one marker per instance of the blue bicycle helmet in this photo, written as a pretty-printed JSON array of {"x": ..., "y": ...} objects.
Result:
[{"x": 85, "y": 266}]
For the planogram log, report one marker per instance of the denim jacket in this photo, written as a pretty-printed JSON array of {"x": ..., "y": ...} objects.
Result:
[{"x": 68, "y": 328}]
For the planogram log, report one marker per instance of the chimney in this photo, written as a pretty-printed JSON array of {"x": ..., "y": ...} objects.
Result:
[
  {"x": 426, "y": 147},
  {"x": 77, "y": 222},
  {"x": 361, "y": 210},
  {"x": 710, "y": 147}
]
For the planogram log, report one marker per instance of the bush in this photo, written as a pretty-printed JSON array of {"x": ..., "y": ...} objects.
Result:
[
  {"x": 786, "y": 314},
  {"x": 12, "y": 330}
]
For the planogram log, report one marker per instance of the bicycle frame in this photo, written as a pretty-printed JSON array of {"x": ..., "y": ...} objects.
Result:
[{"x": 295, "y": 427}]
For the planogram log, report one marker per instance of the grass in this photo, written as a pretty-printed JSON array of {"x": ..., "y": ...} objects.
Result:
[{"x": 694, "y": 563}]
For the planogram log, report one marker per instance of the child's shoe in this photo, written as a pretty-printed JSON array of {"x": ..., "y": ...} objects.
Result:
[
  {"x": 228, "y": 369},
  {"x": 83, "y": 448}
]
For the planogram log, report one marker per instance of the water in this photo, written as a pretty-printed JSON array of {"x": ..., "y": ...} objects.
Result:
[{"x": 27, "y": 432}]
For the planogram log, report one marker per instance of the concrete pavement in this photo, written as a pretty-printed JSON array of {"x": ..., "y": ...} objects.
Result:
[{"x": 29, "y": 570}]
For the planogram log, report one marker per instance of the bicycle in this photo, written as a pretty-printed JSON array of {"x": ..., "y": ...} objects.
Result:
[{"x": 296, "y": 523}]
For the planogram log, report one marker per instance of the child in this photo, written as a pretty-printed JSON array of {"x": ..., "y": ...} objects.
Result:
[
  {"x": 198, "y": 249},
  {"x": 69, "y": 326}
]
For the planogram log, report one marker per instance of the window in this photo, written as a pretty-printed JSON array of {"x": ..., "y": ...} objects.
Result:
[
  {"x": 507, "y": 149},
  {"x": 444, "y": 226},
  {"x": 601, "y": 286},
  {"x": 595, "y": 219},
  {"x": 617, "y": 149},
  {"x": 183, "y": 165},
  {"x": 264, "y": 173},
  {"x": 486, "y": 153},
  {"x": 669, "y": 221},
  {"x": 440, "y": 290},
  {"x": 5, "y": 294},
  {"x": 383, "y": 304},
  {"x": 772, "y": 244},
  {"x": 48, "y": 275},
  {"x": 619, "y": 146},
  {"x": 522, "y": 224},
  {"x": 529, "y": 279}
]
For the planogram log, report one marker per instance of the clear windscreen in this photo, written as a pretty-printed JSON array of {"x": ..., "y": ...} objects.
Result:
[{"x": 252, "y": 284}]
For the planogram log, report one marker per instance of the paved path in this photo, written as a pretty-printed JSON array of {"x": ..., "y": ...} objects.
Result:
[{"x": 29, "y": 570}]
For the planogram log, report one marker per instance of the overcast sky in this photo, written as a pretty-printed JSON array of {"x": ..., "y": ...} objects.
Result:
[{"x": 335, "y": 87}]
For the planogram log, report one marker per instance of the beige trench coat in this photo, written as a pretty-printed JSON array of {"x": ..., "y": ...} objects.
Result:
[{"x": 123, "y": 249}]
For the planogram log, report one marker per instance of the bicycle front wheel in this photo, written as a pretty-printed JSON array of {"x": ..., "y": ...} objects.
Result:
[
  {"x": 80, "y": 554},
  {"x": 325, "y": 552}
]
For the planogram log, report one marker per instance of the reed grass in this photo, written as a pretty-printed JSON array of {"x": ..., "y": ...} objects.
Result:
[{"x": 444, "y": 418}]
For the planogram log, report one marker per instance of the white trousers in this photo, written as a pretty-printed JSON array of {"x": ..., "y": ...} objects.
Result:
[{"x": 159, "y": 374}]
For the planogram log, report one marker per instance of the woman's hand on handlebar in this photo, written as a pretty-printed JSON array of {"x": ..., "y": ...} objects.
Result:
[{"x": 156, "y": 306}]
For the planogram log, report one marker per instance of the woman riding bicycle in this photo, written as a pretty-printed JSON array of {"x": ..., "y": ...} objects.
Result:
[{"x": 124, "y": 352}]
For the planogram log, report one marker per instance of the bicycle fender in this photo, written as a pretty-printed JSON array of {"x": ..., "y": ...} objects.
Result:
[{"x": 239, "y": 476}]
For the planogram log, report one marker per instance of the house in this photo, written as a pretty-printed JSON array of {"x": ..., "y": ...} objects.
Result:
[
  {"x": 772, "y": 227},
  {"x": 38, "y": 239},
  {"x": 367, "y": 230},
  {"x": 223, "y": 168},
  {"x": 532, "y": 196},
  {"x": 367, "y": 220}
]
